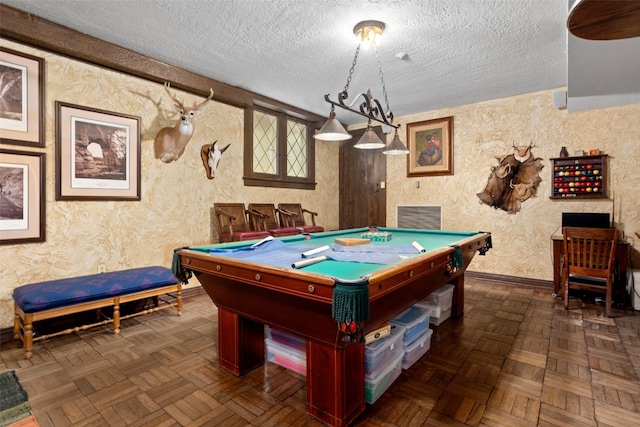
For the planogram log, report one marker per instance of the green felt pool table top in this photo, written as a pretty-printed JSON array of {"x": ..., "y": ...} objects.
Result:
[{"x": 430, "y": 240}]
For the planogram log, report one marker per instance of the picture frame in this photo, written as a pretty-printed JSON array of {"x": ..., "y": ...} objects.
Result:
[
  {"x": 22, "y": 115},
  {"x": 430, "y": 144},
  {"x": 22, "y": 184},
  {"x": 97, "y": 154}
]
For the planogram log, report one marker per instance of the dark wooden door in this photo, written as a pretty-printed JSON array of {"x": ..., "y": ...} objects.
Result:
[{"x": 363, "y": 173}]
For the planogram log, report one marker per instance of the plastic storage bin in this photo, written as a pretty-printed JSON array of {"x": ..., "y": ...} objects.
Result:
[
  {"x": 287, "y": 338},
  {"x": 287, "y": 357},
  {"x": 416, "y": 350},
  {"x": 439, "y": 302},
  {"x": 415, "y": 320},
  {"x": 375, "y": 386},
  {"x": 378, "y": 354},
  {"x": 441, "y": 297},
  {"x": 444, "y": 315}
]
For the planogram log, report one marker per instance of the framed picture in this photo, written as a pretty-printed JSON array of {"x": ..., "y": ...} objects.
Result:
[
  {"x": 430, "y": 145},
  {"x": 21, "y": 99},
  {"x": 22, "y": 194},
  {"x": 97, "y": 154}
]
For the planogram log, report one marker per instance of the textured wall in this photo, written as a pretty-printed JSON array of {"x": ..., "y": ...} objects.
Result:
[
  {"x": 176, "y": 197},
  {"x": 522, "y": 245},
  {"x": 174, "y": 210}
]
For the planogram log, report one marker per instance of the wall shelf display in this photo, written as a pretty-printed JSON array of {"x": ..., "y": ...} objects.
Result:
[{"x": 582, "y": 177}]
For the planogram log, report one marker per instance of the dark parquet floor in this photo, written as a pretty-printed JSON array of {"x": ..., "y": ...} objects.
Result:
[{"x": 517, "y": 358}]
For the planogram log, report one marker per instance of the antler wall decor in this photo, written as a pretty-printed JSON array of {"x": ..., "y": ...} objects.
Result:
[
  {"x": 170, "y": 142},
  {"x": 514, "y": 180}
]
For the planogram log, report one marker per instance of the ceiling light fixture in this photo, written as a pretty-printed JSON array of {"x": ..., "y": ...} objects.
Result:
[
  {"x": 369, "y": 140},
  {"x": 367, "y": 32}
]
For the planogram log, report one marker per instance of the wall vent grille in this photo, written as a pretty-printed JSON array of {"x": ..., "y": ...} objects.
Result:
[{"x": 420, "y": 217}]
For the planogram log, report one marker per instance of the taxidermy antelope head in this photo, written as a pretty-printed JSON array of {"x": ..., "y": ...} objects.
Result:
[
  {"x": 521, "y": 191},
  {"x": 522, "y": 153},
  {"x": 211, "y": 156},
  {"x": 170, "y": 142}
]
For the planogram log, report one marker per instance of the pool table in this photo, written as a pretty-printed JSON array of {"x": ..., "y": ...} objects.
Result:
[{"x": 251, "y": 291}]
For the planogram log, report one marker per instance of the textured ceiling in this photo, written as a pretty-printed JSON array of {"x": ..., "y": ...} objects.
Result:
[{"x": 296, "y": 51}]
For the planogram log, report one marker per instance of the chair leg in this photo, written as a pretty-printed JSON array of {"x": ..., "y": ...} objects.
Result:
[
  {"x": 608, "y": 299},
  {"x": 566, "y": 296}
]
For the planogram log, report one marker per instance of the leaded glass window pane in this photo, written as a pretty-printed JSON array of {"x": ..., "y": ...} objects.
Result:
[
  {"x": 265, "y": 143},
  {"x": 296, "y": 149}
]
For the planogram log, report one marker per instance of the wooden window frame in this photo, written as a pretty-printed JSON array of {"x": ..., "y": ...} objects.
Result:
[{"x": 280, "y": 179}]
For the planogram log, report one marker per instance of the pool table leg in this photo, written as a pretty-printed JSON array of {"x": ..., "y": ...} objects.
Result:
[
  {"x": 240, "y": 343},
  {"x": 335, "y": 383},
  {"x": 457, "y": 307}
]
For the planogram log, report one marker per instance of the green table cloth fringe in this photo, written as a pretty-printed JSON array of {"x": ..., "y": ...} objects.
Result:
[
  {"x": 456, "y": 258},
  {"x": 350, "y": 303}
]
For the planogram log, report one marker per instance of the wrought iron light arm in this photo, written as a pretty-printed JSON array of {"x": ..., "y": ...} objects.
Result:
[{"x": 369, "y": 108}]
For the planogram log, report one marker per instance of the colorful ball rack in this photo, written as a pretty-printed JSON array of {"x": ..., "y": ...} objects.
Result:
[{"x": 579, "y": 177}]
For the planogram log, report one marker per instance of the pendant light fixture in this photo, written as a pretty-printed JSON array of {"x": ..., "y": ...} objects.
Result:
[
  {"x": 396, "y": 146},
  {"x": 370, "y": 140},
  {"x": 368, "y": 32},
  {"x": 332, "y": 129}
]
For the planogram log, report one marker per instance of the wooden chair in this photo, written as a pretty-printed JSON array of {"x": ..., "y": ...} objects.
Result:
[
  {"x": 297, "y": 216},
  {"x": 266, "y": 217},
  {"x": 589, "y": 260},
  {"x": 233, "y": 224}
]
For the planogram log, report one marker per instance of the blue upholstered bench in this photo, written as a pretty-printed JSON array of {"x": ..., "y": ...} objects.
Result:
[{"x": 47, "y": 300}]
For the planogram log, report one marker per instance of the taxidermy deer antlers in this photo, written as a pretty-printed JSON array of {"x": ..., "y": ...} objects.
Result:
[
  {"x": 211, "y": 156},
  {"x": 514, "y": 180},
  {"x": 170, "y": 142}
]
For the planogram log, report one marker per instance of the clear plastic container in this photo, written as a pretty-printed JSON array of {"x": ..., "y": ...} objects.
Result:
[
  {"x": 416, "y": 350},
  {"x": 442, "y": 297},
  {"x": 438, "y": 314},
  {"x": 415, "y": 320},
  {"x": 379, "y": 353},
  {"x": 374, "y": 387},
  {"x": 439, "y": 302},
  {"x": 287, "y": 338},
  {"x": 287, "y": 357}
]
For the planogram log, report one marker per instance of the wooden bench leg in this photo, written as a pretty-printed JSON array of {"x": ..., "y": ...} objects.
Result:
[
  {"x": 179, "y": 300},
  {"x": 116, "y": 315},
  {"x": 16, "y": 322},
  {"x": 27, "y": 338}
]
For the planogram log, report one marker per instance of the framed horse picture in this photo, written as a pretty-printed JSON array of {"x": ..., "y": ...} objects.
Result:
[{"x": 430, "y": 145}]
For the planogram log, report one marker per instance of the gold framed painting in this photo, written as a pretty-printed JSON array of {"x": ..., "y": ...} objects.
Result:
[
  {"x": 22, "y": 100},
  {"x": 97, "y": 154},
  {"x": 430, "y": 145},
  {"x": 22, "y": 189}
]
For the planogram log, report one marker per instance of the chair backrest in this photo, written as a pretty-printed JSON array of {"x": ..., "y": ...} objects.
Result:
[
  {"x": 232, "y": 217},
  {"x": 297, "y": 219},
  {"x": 589, "y": 252},
  {"x": 267, "y": 218}
]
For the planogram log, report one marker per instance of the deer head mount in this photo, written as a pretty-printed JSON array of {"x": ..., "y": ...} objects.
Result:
[
  {"x": 170, "y": 142},
  {"x": 211, "y": 156}
]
